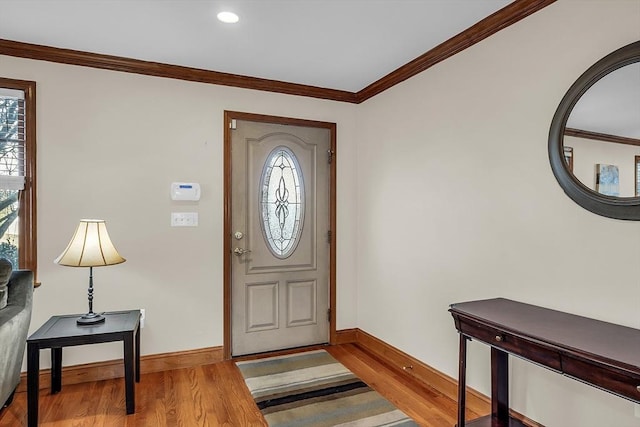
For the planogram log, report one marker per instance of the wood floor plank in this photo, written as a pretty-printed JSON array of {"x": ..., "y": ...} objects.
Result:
[
  {"x": 403, "y": 394},
  {"x": 214, "y": 395}
]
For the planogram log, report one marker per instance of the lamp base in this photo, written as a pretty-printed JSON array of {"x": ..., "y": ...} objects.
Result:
[{"x": 90, "y": 319}]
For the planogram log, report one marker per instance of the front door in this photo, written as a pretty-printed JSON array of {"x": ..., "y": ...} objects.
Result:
[{"x": 280, "y": 235}]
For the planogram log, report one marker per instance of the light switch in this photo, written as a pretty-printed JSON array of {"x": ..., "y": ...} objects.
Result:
[{"x": 184, "y": 219}]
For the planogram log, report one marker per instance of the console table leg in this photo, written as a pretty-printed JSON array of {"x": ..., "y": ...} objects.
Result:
[
  {"x": 499, "y": 387},
  {"x": 462, "y": 380}
]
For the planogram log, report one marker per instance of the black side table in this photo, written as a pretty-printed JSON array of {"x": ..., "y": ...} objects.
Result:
[{"x": 62, "y": 331}]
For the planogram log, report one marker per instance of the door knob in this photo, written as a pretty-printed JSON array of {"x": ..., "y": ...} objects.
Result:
[{"x": 241, "y": 251}]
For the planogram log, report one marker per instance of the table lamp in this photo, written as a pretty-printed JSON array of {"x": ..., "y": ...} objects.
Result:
[{"x": 90, "y": 247}]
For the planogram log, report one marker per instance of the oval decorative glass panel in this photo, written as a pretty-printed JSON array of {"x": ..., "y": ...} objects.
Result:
[{"x": 281, "y": 201}]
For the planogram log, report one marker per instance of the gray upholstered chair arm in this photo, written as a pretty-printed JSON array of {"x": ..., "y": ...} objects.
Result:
[
  {"x": 14, "y": 327},
  {"x": 20, "y": 294}
]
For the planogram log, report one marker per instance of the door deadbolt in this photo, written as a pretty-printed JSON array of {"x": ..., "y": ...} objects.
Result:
[
  {"x": 241, "y": 251},
  {"x": 238, "y": 235}
]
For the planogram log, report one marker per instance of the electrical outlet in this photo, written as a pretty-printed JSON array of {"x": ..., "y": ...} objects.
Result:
[{"x": 143, "y": 315}]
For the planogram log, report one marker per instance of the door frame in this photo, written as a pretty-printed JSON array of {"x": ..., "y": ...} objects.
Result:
[{"x": 227, "y": 259}]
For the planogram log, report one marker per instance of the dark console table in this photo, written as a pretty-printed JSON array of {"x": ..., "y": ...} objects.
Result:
[
  {"x": 598, "y": 353},
  {"x": 63, "y": 331}
]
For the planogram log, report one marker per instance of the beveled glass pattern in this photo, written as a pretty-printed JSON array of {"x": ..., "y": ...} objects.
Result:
[{"x": 282, "y": 201}]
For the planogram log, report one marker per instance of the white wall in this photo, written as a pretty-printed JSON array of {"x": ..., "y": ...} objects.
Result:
[
  {"x": 109, "y": 145},
  {"x": 451, "y": 198},
  {"x": 457, "y": 202}
]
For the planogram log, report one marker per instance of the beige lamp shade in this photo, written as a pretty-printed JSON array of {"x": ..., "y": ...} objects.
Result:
[{"x": 90, "y": 246}]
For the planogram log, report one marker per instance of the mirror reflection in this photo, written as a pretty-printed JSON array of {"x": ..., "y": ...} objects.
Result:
[{"x": 602, "y": 135}]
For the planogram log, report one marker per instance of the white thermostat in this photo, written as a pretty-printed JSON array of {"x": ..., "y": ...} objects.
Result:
[{"x": 185, "y": 191}]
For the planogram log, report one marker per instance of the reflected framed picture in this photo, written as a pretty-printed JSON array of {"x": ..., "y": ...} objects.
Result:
[{"x": 607, "y": 180}]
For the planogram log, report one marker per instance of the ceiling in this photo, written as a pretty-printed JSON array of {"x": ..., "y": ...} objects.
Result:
[
  {"x": 336, "y": 44},
  {"x": 343, "y": 45},
  {"x": 612, "y": 105}
]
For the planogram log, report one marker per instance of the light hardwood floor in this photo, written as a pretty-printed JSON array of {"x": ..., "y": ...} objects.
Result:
[{"x": 214, "y": 395}]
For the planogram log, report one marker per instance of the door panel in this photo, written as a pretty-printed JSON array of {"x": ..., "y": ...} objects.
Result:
[
  {"x": 262, "y": 306},
  {"x": 280, "y": 217},
  {"x": 301, "y": 300}
]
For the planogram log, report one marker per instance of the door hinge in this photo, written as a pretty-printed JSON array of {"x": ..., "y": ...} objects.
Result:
[
  {"x": 329, "y": 236},
  {"x": 330, "y": 154},
  {"x": 328, "y": 315},
  {"x": 233, "y": 125}
]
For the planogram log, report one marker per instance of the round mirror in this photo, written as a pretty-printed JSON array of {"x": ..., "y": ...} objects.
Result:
[{"x": 594, "y": 140}]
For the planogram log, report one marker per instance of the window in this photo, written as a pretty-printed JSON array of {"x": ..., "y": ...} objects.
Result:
[
  {"x": 568, "y": 157},
  {"x": 282, "y": 201},
  {"x": 637, "y": 169},
  {"x": 17, "y": 172}
]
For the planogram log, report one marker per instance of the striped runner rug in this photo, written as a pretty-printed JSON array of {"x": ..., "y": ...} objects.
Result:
[{"x": 313, "y": 389}]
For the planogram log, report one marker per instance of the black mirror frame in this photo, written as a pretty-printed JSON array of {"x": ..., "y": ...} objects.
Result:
[{"x": 627, "y": 208}]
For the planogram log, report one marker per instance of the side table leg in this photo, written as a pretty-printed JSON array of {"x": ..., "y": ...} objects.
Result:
[
  {"x": 128, "y": 372},
  {"x": 33, "y": 383},
  {"x": 462, "y": 380},
  {"x": 56, "y": 369},
  {"x": 138, "y": 354}
]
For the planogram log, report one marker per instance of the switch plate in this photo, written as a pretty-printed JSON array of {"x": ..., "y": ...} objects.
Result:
[
  {"x": 143, "y": 315},
  {"x": 184, "y": 219}
]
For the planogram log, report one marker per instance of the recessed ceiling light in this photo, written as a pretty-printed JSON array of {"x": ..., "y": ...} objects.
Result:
[{"x": 228, "y": 17}]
